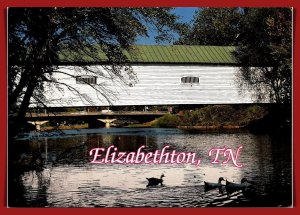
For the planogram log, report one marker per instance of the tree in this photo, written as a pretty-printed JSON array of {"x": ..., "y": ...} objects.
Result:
[
  {"x": 262, "y": 37},
  {"x": 38, "y": 36},
  {"x": 212, "y": 26},
  {"x": 265, "y": 53}
]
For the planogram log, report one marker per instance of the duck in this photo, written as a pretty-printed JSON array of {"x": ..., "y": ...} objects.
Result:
[
  {"x": 232, "y": 187},
  {"x": 209, "y": 185},
  {"x": 155, "y": 181}
]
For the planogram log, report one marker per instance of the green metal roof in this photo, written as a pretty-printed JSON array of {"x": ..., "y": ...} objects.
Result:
[{"x": 168, "y": 54}]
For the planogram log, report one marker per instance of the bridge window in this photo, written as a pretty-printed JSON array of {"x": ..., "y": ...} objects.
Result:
[
  {"x": 86, "y": 80},
  {"x": 190, "y": 80}
]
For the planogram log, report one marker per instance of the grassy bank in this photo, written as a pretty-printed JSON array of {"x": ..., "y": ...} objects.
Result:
[
  {"x": 210, "y": 117},
  {"x": 222, "y": 115},
  {"x": 64, "y": 127}
]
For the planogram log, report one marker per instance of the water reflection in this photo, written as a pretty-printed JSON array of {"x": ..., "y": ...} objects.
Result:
[{"x": 68, "y": 179}]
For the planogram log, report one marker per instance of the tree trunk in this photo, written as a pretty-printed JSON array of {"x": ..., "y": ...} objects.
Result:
[
  {"x": 16, "y": 124},
  {"x": 19, "y": 88}
]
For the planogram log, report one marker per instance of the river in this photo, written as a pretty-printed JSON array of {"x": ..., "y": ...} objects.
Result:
[{"x": 53, "y": 169}]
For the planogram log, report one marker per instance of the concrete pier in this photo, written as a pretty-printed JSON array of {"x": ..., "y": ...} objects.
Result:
[
  {"x": 107, "y": 122},
  {"x": 38, "y": 124}
]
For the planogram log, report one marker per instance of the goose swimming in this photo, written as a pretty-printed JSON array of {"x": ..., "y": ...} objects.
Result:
[
  {"x": 209, "y": 185},
  {"x": 232, "y": 187},
  {"x": 155, "y": 181}
]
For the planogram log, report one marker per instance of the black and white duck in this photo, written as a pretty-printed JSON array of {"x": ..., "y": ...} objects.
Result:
[
  {"x": 155, "y": 181},
  {"x": 210, "y": 186}
]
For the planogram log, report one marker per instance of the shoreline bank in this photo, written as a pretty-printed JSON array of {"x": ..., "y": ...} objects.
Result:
[{"x": 200, "y": 128}]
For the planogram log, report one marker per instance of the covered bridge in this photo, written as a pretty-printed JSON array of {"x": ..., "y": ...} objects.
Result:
[{"x": 166, "y": 75}]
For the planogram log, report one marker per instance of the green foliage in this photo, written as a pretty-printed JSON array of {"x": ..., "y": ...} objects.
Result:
[
  {"x": 209, "y": 115},
  {"x": 265, "y": 53},
  {"x": 251, "y": 113},
  {"x": 167, "y": 121},
  {"x": 212, "y": 26},
  {"x": 214, "y": 115}
]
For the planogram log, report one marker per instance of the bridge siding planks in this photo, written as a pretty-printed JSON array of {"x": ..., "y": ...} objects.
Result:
[{"x": 157, "y": 85}]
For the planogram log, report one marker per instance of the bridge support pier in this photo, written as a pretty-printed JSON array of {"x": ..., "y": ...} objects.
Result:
[
  {"x": 107, "y": 122},
  {"x": 37, "y": 124}
]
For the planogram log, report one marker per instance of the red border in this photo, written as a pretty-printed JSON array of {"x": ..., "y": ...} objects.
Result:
[{"x": 145, "y": 3}]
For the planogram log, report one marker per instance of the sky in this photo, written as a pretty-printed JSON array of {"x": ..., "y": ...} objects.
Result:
[{"x": 186, "y": 14}]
